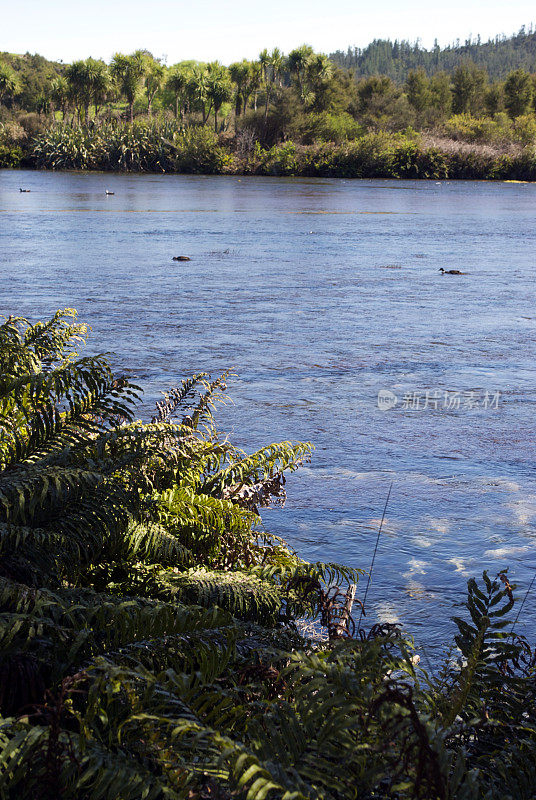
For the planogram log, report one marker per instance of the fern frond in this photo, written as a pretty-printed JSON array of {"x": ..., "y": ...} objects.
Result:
[
  {"x": 214, "y": 393},
  {"x": 259, "y": 466},
  {"x": 152, "y": 543},
  {"x": 239, "y": 593},
  {"x": 175, "y": 398}
]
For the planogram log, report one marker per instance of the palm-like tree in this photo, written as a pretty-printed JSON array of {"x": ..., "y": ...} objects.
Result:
[
  {"x": 297, "y": 61},
  {"x": 255, "y": 81},
  {"x": 219, "y": 89},
  {"x": 177, "y": 81},
  {"x": 154, "y": 78},
  {"x": 239, "y": 72},
  {"x": 318, "y": 71},
  {"x": 277, "y": 63},
  {"x": 128, "y": 72},
  {"x": 59, "y": 94},
  {"x": 198, "y": 89},
  {"x": 79, "y": 87},
  {"x": 101, "y": 84},
  {"x": 247, "y": 76},
  {"x": 9, "y": 82},
  {"x": 88, "y": 82},
  {"x": 264, "y": 61},
  {"x": 271, "y": 65}
]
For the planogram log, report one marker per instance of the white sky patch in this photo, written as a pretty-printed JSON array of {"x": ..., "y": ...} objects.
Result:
[{"x": 209, "y": 29}]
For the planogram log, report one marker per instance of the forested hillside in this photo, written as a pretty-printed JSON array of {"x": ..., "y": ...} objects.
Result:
[
  {"x": 32, "y": 75},
  {"x": 498, "y": 56}
]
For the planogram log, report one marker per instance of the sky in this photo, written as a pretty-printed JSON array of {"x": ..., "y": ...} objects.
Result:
[{"x": 229, "y": 30}]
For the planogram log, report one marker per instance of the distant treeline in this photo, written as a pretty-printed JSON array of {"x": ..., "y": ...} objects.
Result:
[
  {"x": 295, "y": 113},
  {"x": 497, "y": 56}
]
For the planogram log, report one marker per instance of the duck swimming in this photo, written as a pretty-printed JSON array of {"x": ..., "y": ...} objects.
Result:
[
  {"x": 181, "y": 258},
  {"x": 451, "y": 271}
]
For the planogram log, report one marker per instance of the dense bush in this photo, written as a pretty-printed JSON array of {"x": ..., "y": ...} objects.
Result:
[
  {"x": 197, "y": 150},
  {"x": 10, "y": 155},
  {"x": 131, "y": 148},
  {"x": 525, "y": 130},
  {"x": 169, "y": 147},
  {"x": 482, "y": 130},
  {"x": 137, "y": 148},
  {"x": 324, "y": 127}
]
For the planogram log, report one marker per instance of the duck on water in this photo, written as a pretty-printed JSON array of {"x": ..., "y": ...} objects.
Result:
[{"x": 451, "y": 271}]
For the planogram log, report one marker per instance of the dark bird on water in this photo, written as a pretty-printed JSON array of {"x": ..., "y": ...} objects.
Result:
[
  {"x": 451, "y": 271},
  {"x": 108, "y": 192},
  {"x": 181, "y": 258},
  {"x": 25, "y": 190}
]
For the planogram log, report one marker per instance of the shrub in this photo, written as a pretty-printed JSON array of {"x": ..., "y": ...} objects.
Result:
[
  {"x": 10, "y": 156},
  {"x": 525, "y": 129},
  {"x": 197, "y": 150},
  {"x": 34, "y": 124},
  {"x": 483, "y": 130},
  {"x": 282, "y": 159},
  {"x": 325, "y": 127}
]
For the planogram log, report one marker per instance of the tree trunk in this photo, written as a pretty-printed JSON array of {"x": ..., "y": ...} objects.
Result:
[
  {"x": 131, "y": 110},
  {"x": 206, "y": 114},
  {"x": 215, "y": 120},
  {"x": 176, "y": 106}
]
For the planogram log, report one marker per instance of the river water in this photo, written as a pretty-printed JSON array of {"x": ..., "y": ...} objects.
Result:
[{"x": 320, "y": 294}]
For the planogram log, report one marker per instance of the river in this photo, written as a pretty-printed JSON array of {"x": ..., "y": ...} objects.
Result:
[{"x": 320, "y": 294}]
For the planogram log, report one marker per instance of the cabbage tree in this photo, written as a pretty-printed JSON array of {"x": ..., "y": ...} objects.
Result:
[{"x": 128, "y": 73}]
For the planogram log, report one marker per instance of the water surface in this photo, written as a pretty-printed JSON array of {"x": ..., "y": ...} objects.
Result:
[{"x": 320, "y": 293}]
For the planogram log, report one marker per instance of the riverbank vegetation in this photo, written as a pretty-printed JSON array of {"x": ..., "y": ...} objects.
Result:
[
  {"x": 152, "y": 636},
  {"x": 296, "y": 114}
]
